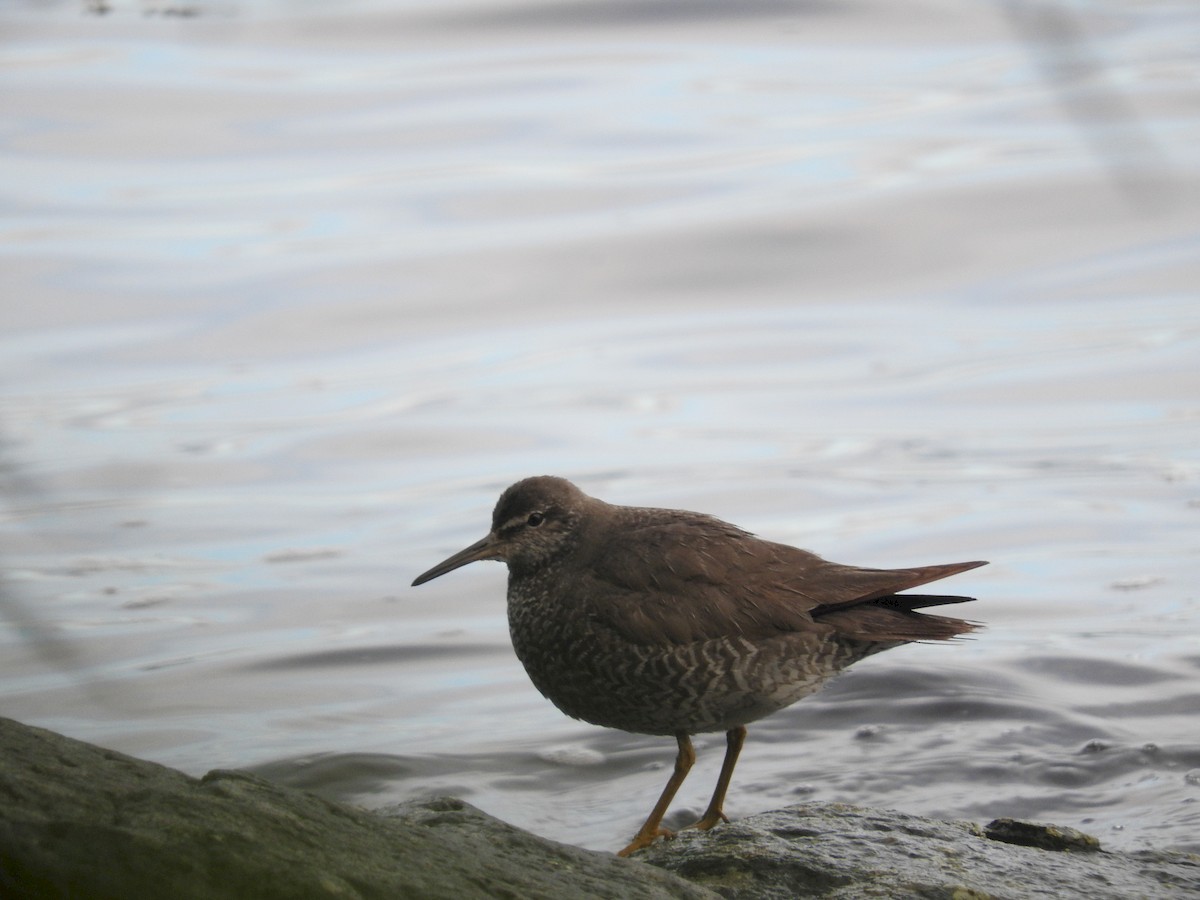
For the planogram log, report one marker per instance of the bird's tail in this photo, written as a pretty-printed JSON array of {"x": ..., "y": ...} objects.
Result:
[{"x": 895, "y": 618}]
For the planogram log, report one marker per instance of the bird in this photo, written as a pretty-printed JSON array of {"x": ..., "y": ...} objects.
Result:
[{"x": 676, "y": 623}]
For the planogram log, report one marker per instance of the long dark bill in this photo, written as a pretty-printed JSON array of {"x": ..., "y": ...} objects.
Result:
[{"x": 482, "y": 549}]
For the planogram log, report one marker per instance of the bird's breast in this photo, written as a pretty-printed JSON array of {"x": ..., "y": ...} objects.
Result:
[{"x": 591, "y": 672}]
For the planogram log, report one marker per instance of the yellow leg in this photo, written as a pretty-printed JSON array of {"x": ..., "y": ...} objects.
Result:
[
  {"x": 652, "y": 828},
  {"x": 714, "y": 815}
]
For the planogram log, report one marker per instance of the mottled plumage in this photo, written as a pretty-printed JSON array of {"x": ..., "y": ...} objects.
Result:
[{"x": 662, "y": 621}]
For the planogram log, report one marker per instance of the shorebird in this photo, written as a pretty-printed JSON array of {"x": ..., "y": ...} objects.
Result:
[{"x": 667, "y": 622}]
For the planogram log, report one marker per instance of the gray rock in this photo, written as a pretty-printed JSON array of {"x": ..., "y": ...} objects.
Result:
[
  {"x": 1048, "y": 837},
  {"x": 83, "y": 822},
  {"x": 79, "y": 821},
  {"x": 839, "y": 852}
]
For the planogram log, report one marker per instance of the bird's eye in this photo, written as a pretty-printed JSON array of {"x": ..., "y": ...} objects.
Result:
[{"x": 535, "y": 519}]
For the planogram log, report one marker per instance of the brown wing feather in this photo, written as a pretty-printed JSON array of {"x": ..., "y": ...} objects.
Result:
[
  {"x": 672, "y": 577},
  {"x": 873, "y": 621}
]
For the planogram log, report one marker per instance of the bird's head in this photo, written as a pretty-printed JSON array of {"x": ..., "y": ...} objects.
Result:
[{"x": 534, "y": 521}]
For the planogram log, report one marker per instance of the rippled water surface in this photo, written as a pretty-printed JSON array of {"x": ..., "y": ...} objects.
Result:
[{"x": 292, "y": 291}]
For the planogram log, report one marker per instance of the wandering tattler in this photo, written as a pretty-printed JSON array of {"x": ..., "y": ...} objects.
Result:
[{"x": 661, "y": 621}]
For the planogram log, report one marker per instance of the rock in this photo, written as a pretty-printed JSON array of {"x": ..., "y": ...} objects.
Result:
[
  {"x": 1048, "y": 837},
  {"x": 837, "y": 852},
  {"x": 83, "y": 822}
]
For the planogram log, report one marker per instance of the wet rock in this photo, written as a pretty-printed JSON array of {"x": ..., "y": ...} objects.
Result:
[
  {"x": 83, "y": 822},
  {"x": 838, "y": 852},
  {"x": 1047, "y": 837}
]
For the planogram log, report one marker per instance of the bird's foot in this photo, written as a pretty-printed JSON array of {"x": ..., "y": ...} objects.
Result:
[
  {"x": 712, "y": 818},
  {"x": 645, "y": 838}
]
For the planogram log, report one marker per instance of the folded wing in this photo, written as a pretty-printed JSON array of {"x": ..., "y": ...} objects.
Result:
[{"x": 689, "y": 577}]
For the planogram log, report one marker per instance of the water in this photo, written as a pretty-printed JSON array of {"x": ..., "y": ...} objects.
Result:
[{"x": 293, "y": 291}]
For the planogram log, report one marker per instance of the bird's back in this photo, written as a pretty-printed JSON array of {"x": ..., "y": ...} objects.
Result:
[{"x": 662, "y": 621}]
